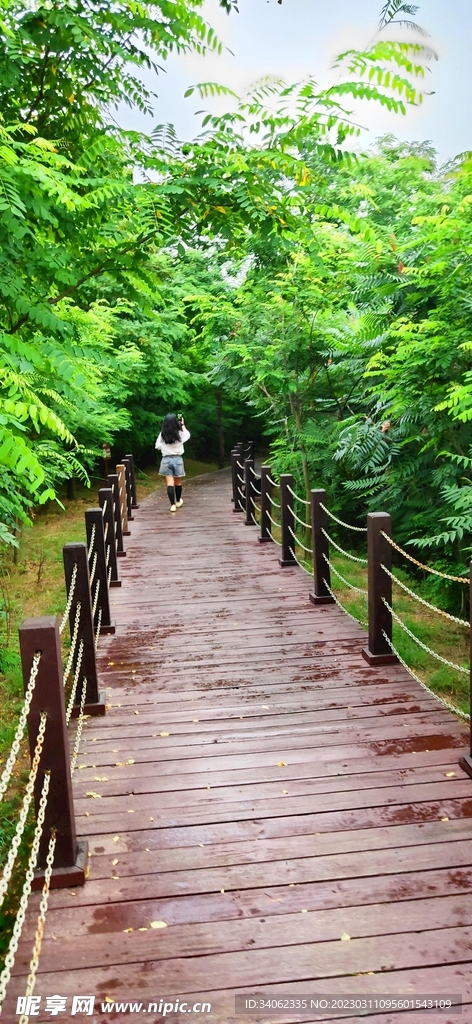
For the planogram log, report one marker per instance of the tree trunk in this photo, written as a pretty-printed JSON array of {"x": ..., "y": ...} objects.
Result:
[
  {"x": 220, "y": 430},
  {"x": 71, "y": 493}
]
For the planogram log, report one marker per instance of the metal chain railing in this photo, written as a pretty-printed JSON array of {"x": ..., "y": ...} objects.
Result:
[
  {"x": 70, "y": 705},
  {"x": 38, "y": 938},
  {"x": 299, "y": 563},
  {"x": 92, "y": 540},
  {"x": 432, "y": 607},
  {"x": 95, "y": 599},
  {"x": 441, "y": 700},
  {"x": 347, "y": 554},
  {"x": 256, "y": 475},
  {"x": 80, "y": 725},
  {"x": 25, "y": 895},
  {"x": 73, "y": 644},
  {"x": 275, "y": 504},
  {"x": 297, "y": 497},
  {"x": 349, "y": 526},
  {"x": 439, "y": 657},
  {"x": 239, "y": 465},
  {"x": 360, "y": 622},
  {"x": 308, "y": 550},
  {"x": 70, "y": 598},
  {"x": 94, "y": 567},
  {"x": 360, "y": 590},
  {"x": 427, "y": 568},
  {"x": 97, "y": 631},
  {"x": 271, "y": 481},
  {"x": 15, "y": 747},
  {"x": 21, "y": 825},
  {"x": 302, "y": 522}
]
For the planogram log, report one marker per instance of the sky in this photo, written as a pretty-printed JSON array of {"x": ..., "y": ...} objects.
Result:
[{"x": 301, "y": 38}]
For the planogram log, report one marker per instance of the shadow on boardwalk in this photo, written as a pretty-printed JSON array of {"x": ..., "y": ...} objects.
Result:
[{"x": 296, "y": 819}]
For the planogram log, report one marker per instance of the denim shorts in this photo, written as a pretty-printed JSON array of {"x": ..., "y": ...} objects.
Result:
[{"x": 172, "y": 465}]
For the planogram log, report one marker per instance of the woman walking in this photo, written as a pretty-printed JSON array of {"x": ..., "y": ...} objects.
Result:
[{"x": 171, "y": 444}]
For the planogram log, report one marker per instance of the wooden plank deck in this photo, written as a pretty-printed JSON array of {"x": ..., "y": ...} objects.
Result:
[{"x": 260, "y": 790}]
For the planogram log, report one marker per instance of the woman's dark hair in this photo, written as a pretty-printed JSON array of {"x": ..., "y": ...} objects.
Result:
[{"x": 170, "y": 430}]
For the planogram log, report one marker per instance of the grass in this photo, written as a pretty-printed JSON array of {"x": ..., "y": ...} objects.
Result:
[{"x": 33, "y": 585}]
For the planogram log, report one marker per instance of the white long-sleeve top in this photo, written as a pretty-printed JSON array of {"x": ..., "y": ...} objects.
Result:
[{"x": 177, "y": 448}]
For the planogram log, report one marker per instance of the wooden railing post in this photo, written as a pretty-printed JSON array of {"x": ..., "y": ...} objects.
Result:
[
  {"x": 76, "y": 555},
  {"x": 466, "y": 761},
  {"x": 250, "y": 519},
  {"x": 129, "y": 489},
  {"x": 113, "y": 481},
  {"x": 120, "y": 469},
  {"x": 70, "y": 857},
  {"x": 235, "y": 473},
  {"x": 266, "y": 507},
  {"x": 379, "y": 552},
  {"x": 98, "y": 571},
  {"x": 287, "y": 519},
  {"x": 105, "y": 500},
  {"x": 248, "y": 451},
  {"x": 320, "y": 545},
  {"x": 134, "y": 502}
]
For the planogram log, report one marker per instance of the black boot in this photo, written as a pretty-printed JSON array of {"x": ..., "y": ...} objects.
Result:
[
  {"x": 171, "y": 496},
  {"x": 178, "y": 495}
]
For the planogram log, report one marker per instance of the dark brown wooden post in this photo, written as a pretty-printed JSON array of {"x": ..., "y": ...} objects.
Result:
[
  {"x": 99, "y": 574},
  {"x": 320, "y": 545},
  {"x": 121, "y": 472},
  {"x": 114, "y": 484},
  {"x": 250, "y": 519},
  {"x": 105, "y": 500},
  {"x": 134, "y": 496},
  {"x": 466, "y": 761},
  {"x": 287, "y": 519},
  {"x": 379, "y": 552},
  {"x": 129, "y": 489},
  {"x": 266, "y": 507},
  {"x": 235, "y": 474},
  {"x": 76, "y": 555},
  {"x": 70, "y": 857},
  {"x": 248, "y": 452}
]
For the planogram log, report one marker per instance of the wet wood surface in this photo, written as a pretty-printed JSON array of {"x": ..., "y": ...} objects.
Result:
[{"x": 295, "y": 821}]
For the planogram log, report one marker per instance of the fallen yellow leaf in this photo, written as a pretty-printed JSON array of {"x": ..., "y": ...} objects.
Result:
[
  {"x": 111, "y": 662},
  {"x": 164, "y": 734},
  {"x": 158, "y": 924},
  {"x": 221, "y": 890},
  {"x": 285, "y": 792},
  {"x": 128, "y": 929},
  {"x": 281, "y": 764},
  {"x": 444, "y": 819},
  {"x": 136, "y": 712},
  {"x": 130, "y": 811},
  {"x": 100, "y": 778},
  {"x": 266, "y": 707},
  {"x": 304, "y": 911},
  {"x": 131, "y": 761},
  {"x": 116, "y": 839},
  {"x": 345, "y": 937},
  {"x": 449, "y": 775},
  {"x": 95, "y": 796},
  {"x": 143, "y": 929},
  {"x": 151, "y": 819},
  {"x": 115, "y": 861}
]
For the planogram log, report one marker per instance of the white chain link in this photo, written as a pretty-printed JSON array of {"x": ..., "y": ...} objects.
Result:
[
  {"x": 239, "y": 465},
  {"x": 109, "y": 577},
  {"x": 432, "y": 607},
  {"x": 15, "y": 748},
  {"x": 441, "y": 700},
  {"x": 363, "y": 561},
  {"x": 80, "y": 725},
  {"x": 297, "y": 497},
  {"x": 254, "y": 472},
  {"x": 70, "y": 705},
  {"x": 92, "y": 540},
  {"x": 439, "y": 657},
  {"x": 70, "y": 598},
  {"x": 299, "y": 563},
  {"x": 360, "y": 622},
  {"x": 73, "y": 644},
  {"x": 301, "y": 521},
  {"x": 97, "y": 631},
  {"x": 108, "y": 554},
  {"x": 275, "y": 504},
  {"x": 43, "y": 908},
  {"x": 271, "y": 481},
  {"x": 360, "y": 590},
  {"x": 94, "y": 567},
  {"x": 95, "y": 599},
  {"x": 29, "y": 792},
  {"x": 309, "y": 551},
  {"x": 427, "y": 568},
  {"x": 105, "y": 532},
  {"x": 243, "y": 496},
  {"x": 25, "y": 895},
  {"x": 349, "y": 526}
]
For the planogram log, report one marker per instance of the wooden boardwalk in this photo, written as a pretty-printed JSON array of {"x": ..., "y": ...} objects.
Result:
[{"x": 296, "y": 819}]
